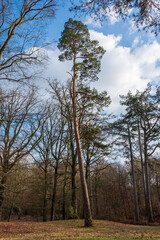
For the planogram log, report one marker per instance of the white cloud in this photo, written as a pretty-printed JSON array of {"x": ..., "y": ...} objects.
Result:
[
  {"x": 109, "y": 13},
  {"x": 122, "y": 68},
  {"x": 135, "y": 42},
  {"x": 109, "y": 42},
  {"x": 93, "y": 22},
  {"x": 56, "y": 68},
  {"x": 112, "y": 16},
  {"x": 125, "y": 69}
]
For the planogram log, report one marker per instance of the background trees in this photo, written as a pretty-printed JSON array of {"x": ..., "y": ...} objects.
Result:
[
  {"x": 142, "y": 131},
  {"x": 20, "y": 122},
  {"x": 31, "y": 180},
  {"x": 145, "y": 106},
  {"x": 62, "y": 95}
]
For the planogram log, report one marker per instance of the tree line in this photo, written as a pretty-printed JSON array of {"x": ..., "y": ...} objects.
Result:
[{"x": 39, "y": 170}]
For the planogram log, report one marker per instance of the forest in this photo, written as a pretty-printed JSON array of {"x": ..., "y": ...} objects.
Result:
[{"x": 62, "y": 154}]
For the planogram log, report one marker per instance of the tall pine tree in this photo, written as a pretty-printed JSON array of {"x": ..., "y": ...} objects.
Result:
[{"x": 75, "y": 45}]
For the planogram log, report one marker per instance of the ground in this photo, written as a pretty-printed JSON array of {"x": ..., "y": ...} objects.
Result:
[{"x": 73, "y": 229}]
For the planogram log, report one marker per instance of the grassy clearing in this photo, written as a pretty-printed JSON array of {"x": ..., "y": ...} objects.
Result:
[{"x": 73, "y": 230}]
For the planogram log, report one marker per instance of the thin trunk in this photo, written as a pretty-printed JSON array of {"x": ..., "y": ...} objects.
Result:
[
  {"x": 45, "y": 205},
  {"x": 1, "y": 200},
  {"x": 86, "y": 202},
  {"x": 74, "y": 166},
  {"x": 90, "y": 193},
  {"x": 11, "y": 208},
  {"x": 133, "y": 177},
  {"x": 122, "y": 197},
  {"x": 45, "y": 190},
  {"x": 149, "y": 204},
  {"x": 3, "y": 181},
  {"x": 96, "y": 195},
  {"x": 74, "y": 204},
  {"x": 10, "y": 213},
  {"x": 142, "y": 166},
  {"x": 87, "y": 168},
  {"x": 54, "y": 192},
  {"x": 88, "y": 178},
  {"x": 64, "y": 193},
  {"x": 157, "y": 184}
]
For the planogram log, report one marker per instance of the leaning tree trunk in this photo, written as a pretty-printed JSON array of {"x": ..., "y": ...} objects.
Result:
[
  {"x": 88, "y": 179},
  {"x": 133, "y": 178},
  {"x": 73, "y": 165},
  {"x": 142, "y": 166},
  {"x": 149, "y": 204},
  {"x": 86, "y": 202}
]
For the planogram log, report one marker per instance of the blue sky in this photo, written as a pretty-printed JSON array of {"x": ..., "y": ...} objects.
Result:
[
  {"x": 120, "y": 27},
  {"x": 131, "y": 61}
]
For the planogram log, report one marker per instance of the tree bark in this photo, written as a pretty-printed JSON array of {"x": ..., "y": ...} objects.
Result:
[
  {"x": 96, "y": 198},
  {"x": 74, "y": 205},
  {"x": 86, "y": 202},
  {"x": 64, "y": 193},
  {"x": 45, "y": 189},
  {"x": 54, "y": 192},
  {"x": 2, "y": 184},
  {"x": 73, "y": 174},
  {"x": 74, "y": 163},
  {"x": 1, "y": 200},
  {"x": 87, "y": 167},
  {"x": 157, "y": 184},
  {"x": 88, "y": 179},
  {"x": 133, "y": 178},
  {"x": 142, "y": 166},
  {"x": 146, "y": 168}
]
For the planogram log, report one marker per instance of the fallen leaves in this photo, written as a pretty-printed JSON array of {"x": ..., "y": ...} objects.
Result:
[{"x": 72, "y": 229}]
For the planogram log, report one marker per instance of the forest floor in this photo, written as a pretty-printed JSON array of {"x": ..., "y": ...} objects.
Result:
[{"x": 73, "y": 229}]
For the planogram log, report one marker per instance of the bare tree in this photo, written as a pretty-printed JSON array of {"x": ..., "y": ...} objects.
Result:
[
  {"x": 19, "y": 123},
  {"x": 63, "y": 97},
  {"x": 20, "y": 29},
  {"x": 43, "y": 158}
]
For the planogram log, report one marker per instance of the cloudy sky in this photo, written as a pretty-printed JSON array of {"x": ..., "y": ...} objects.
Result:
[{"x": 132, "y": 58}]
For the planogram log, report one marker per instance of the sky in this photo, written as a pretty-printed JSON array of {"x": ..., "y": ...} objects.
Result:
[{"x": 131, "y": 61}]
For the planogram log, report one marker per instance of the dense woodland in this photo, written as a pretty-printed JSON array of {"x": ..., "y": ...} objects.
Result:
[{"x": 44, "y": 141}]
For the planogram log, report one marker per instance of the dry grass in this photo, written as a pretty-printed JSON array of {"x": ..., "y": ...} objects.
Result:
[{"x": 73, "y": 229}]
